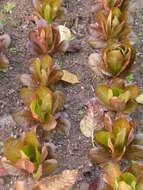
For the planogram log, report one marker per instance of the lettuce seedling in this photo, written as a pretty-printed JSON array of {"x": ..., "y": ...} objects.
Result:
[
  {"x": 118, "y": 96},
  {"x": 117, "y": 140},
  {"x": 44, "y": 105},
  {"x": 110, "y": 27},
  {"x": 46, "y": 40},
  {"x": 116, "y": 136},
  {"x": 116, "y": 58},
  {"x": 48, "y": 9},
  {"x": 114, "y": 179},
  {"x": 27, "y": 154},
  {"x": 43, "y": 72}
]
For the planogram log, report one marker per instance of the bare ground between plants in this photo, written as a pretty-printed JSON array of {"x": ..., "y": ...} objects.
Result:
[{"x": 72, "y": 150}]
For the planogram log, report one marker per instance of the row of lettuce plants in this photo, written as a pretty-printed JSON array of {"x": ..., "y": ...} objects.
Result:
[
  {"x": 43, "y": 105},
  {"x": 108, "y": 120}
]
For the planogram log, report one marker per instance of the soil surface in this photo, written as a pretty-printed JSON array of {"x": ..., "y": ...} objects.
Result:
[{"x": 73, "y": 149}]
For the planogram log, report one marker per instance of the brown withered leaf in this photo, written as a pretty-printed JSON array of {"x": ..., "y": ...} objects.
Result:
[
  {"x": 63, "y": 181},
  {"x": 93, "y": 63},
  {"x": 93, "y": 120}
]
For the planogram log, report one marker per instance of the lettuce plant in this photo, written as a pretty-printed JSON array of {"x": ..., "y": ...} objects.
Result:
[
  {"x": 46, "y": 40},
  {"x": 117, "y": 140},
  {"x": 114, "y": 179},
  {"x": 116, "y": 58},
  {"x": 27, "y": 154},
  {"x": 110, "y": 27},
  {"x": 48, "y": 9},
  {"x": 116, "y": 136},
  {"x": 44, "y": 105},
  {"x": 43, "y": 72},
  {"x": 51, "y": 39},
  {"x": 118, "y": 96}
]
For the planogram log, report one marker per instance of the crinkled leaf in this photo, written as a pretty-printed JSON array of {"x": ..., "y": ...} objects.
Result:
[
  {"x": 93, "y": 120},
  {"x": 93, "y": 63},
  {"x": 63, "y": 181}
]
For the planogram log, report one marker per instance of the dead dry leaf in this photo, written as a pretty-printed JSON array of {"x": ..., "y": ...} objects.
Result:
[
  {"x": 63, "y": 181},
  {"x": 93, "y": 120}
]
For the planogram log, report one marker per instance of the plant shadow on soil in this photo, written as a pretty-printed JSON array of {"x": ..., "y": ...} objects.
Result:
[{"x": 73, "y": 149}]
